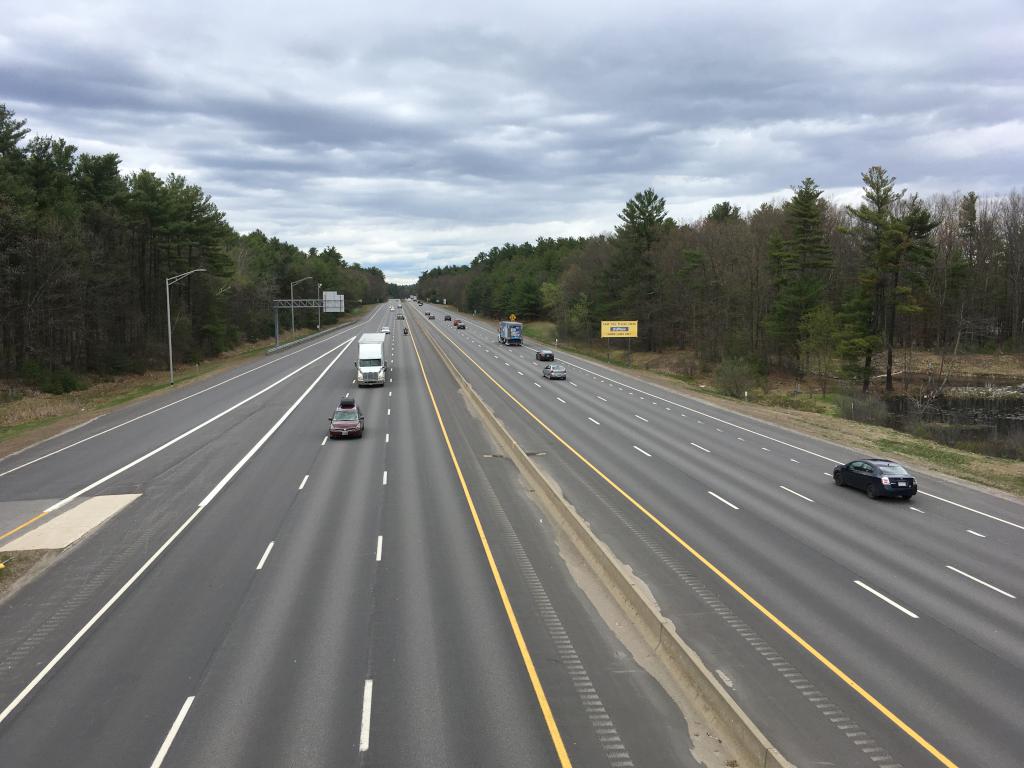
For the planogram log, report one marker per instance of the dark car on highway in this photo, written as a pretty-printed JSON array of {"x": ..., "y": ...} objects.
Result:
[
  {"x": 460, "y": 325},
  {"x": 554, "y": 371},
  {"x": 447, "y": 317},
  {"x": 347, "y": 420},
  {"x": 876, "y": 477},
  {"x": 545, "y": 354}
]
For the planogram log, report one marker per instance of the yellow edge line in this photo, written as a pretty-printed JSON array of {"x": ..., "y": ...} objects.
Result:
[
  {"x": 832, "y": 667},
  {"x": 14, "y": 530},
  {"x": 538, "y": 689}
]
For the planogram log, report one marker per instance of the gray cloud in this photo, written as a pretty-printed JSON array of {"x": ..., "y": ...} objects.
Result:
[{"x": 412, "y": 137}]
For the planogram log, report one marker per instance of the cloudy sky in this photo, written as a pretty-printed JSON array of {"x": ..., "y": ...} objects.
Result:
[{"x": 416, "y": 134}]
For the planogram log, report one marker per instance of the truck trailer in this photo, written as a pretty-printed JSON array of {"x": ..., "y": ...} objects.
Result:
[
  {"x": 372, "y": 366},
  {"x": 510, "y": 333}
]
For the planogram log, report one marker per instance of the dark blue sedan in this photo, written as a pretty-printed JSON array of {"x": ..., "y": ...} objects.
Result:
[{"x": 877, "y": 478}]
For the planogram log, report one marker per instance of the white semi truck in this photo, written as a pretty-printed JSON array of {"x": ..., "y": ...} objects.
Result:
[{"x": 372, "y": 366}]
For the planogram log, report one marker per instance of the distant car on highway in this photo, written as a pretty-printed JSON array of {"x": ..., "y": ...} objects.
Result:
[
  {"x": 401, "y": 316},
  {"x": 545, "y": 354},
  {"x": 385, "y": 329},
  {"x": 347, "y": 420},
  {"x": 876, "y": 477},
  {"x": 461, "y": 325},
  {"x": 447, "y": 317},
  {"x": 430, "y": 316},
  {"x": 554, "y": 371}
]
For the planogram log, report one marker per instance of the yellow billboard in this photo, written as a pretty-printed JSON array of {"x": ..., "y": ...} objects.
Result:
[{"x": 614, "y": 329}]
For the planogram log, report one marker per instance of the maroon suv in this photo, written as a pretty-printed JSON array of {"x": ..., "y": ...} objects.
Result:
[{"x": 347, "y": 420}]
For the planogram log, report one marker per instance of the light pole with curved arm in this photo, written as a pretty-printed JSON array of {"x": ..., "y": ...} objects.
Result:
[{"x": 167, "y": 288}]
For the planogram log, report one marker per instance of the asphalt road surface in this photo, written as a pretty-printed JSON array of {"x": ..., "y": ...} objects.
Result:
[
  {"x": 854, "y": 632},
  {"x": 273, "y": 598}
]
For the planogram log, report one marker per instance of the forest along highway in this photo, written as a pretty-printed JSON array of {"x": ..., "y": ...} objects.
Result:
[
  {"x": 854, "y": 632},
  {"x": 271, "y": 597}
]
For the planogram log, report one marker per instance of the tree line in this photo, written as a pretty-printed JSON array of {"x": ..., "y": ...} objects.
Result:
[
  {"x": 804, "y": 285},
  {"x": 85, "y": 250}
]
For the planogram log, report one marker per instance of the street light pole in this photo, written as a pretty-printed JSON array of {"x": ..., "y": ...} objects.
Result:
[
  {"x": 167, "y": 290},
  {"x": 291, "y": 288},
  {"x": 319, "y": 298}
]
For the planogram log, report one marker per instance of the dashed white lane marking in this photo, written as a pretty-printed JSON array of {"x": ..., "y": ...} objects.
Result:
[
  {"x": 347, "y": 394},
  {"x": 266, "y": 554},
  {"x": 159, "y": 759},
  {"x": 380, "y": 546},
  {"x": 724, "y": 501},
  {"x": 741, "y": 439},
  {"x": 353, "y": 381},
  {"x": 390, "y": 394},
  {"x": 385, "y": 477},
  {"x": 700, "y": 448},
  {"x": 975, "y": 533},
  {"x": 794, "y": 461},
  {"x": 387, "y": 437},
  {"x": 594, "y": 420},
  {"x": 364, "y": 728},
  {"x": 537, "y": 385},
  {"x": 389, "y": 411},
  {"x": 975, "y": 511},
  {"x": 889, "y": 600},
  {"x": 769, "y": 450},
  {"x": 520, "y": 373},
  {"x": 508, "y": 364},
  {"x": 573, "y": 384},
  {"x": 641, "y": 417},
  {"x": 561, "y": 400},
  {"x": 645, "y": 453},
  {"x": 983, "y": 583},
  {"x": 918, "y": 510},
  {"x": 303, "y": 483},
  {"x": 790, "y": 490},
  {"x": 324, "y": 441},
  {"x": 718, "y": 429},
  {"x": 602, "y": 398}
]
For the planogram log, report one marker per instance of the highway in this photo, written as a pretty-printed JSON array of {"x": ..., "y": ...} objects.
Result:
[
  {"x": 273, "y": 598},
  {"x": 854, "y": 632}
]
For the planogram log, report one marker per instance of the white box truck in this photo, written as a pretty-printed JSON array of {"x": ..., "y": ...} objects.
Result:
[{"x": 372, "y": 366}]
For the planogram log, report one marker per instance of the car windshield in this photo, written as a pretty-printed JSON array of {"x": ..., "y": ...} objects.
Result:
[
  {"x": 556, "y": 368},
  {"x": 346, "y": 414},
  {"x": 369, "y": 362},
  {"x": 892, "y": 469}
]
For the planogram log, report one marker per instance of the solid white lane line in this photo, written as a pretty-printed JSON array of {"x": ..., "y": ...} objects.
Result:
[
  {"x": 303, "y": 483},
  {"x": 637, "y": 415},
  {"x": 324, "y": 441},
  {"x": 975, "y": 511},
  {"x": 266, "y": 553},
  {"x": 645, "y": 453},
  {"x": 387, "y": 437},
  {"x": 727, "y": 503},
  {"x": 594, "y": 420},
  {"x": 700, "y": 447},
  {"x": 364, "y": 728},
  {"x": 380, "y": 546},
  {"x": 790, "y": 490},
  {"x": 159, "y": 759},
  {"x": 975, "y": 533},
  {"x": 385, "y": 477},
  {"x": 602, "y": 398},
  {"x": 163, "y": 548},
  {"x": 889, "y": 600},
  {"x": 561, "y": 400},
  {"x": 68, "y": 499},
  {"x": 983, "y": 583}
]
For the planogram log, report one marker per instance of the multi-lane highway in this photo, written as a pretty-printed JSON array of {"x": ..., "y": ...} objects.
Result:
[
  {"x": 854, "y": 632},
  {"x": 273, "y": 598}
]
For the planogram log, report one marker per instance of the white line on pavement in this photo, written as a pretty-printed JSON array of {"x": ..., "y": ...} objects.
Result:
[
  {"x": 380, "y": 545},
  {"x": 389, "y": 411},
  {"x": 324, "y": 441},
  {"x": 889, "y": 600},
  {"x": 975, "y": 533},
  {"x": 594, "y": 420},
  {"x": 641, "y": 417},
  {"x": 266, "y": 553},
  {"x": 645, "y": 453},
  {"x": 918, "y": 510},
  {"x": 387, "y": 437},
  {"x": 537, "y": 385},
  {"x": 520, "y": 373},
  {"x": 727, "y": 503},
  {"x": 790, "y": 490},
  {"x": 159, "y": 759},
  {"x": 303, "y": 483},
  {"x": 769, "y": 450},
  {"x": 364, "y": 728},
  {"x": 561, "y": 400},
  {"x": 975, "y": 511},
  {"x": 573, "y": 384},
  {"x": 794, "y": 461},
  {"x": 385, "y": 477},
  {"x": 700, "y": 448},
  {"x": 983, "y": 583}
]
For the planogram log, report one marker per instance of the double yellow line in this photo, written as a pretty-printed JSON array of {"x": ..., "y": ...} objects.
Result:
[
  {"x": 828, "y": 663},
  {"x": 531, "y": 669}
]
